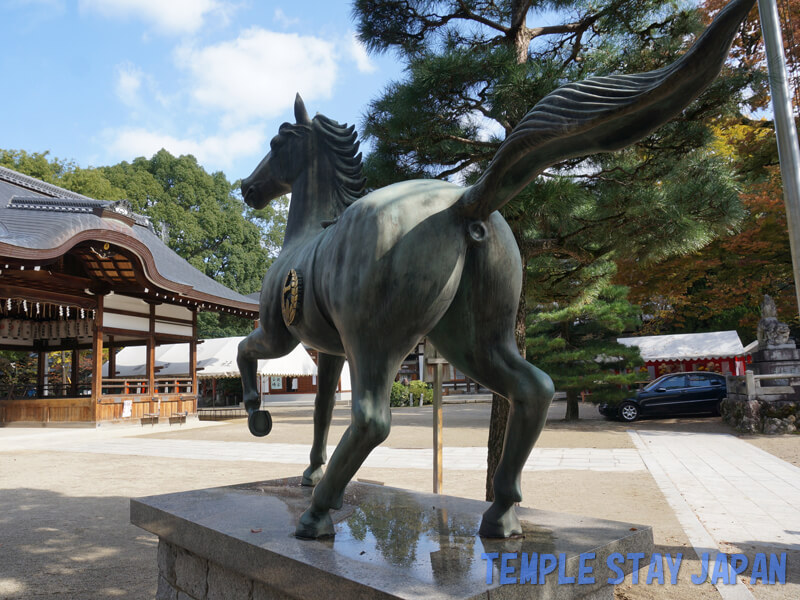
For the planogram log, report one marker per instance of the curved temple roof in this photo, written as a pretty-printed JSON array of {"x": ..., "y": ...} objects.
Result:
[{"x": 41, "y": 222}]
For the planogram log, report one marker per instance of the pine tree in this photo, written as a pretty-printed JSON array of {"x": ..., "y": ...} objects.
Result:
[
  {"x": 577, "y": 346},
  {"x": 473, "y": 70}
]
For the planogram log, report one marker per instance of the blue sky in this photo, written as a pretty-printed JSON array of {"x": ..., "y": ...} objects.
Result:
[{"x": 101, "y": 81}]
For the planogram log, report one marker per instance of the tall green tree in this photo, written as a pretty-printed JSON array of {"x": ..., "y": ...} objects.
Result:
[
  {"x": 473, "y": 70},
  {"x": 577, "y": 346}
]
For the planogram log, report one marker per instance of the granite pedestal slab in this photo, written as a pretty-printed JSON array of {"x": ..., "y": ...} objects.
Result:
[{"x": 238, "y": 542}]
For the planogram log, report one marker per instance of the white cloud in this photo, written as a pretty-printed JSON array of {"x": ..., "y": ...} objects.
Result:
[
  {"x": 257, "y": 75},
  {"x": 214, "y": 152},
  {"x": 128, "y": 83},
  {"x": 488, "y": 129},
  {"x": 167, "y": 16},
  {"x": 359, "y": 54},
  {"x": 282, "y": 19}
]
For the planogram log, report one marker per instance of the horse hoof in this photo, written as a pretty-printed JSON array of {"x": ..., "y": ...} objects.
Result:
[
  {"x": 259, "y": 422},
  {"x": 311, "y": 476},
  {"x": 313, "y": 527},
  {"x": 500, "y": 522}
]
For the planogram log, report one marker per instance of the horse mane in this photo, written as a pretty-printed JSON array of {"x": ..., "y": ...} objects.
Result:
[{"x": 349, "y": 180}]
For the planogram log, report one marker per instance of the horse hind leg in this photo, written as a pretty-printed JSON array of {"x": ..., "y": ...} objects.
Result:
[
  {"x": 329, "y": 368},
  {"x": 477, "y": 336},
  {"x": 529, "y": 390}
]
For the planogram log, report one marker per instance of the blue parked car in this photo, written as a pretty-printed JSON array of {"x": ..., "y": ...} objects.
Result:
[{"x": 673, "y": 394}]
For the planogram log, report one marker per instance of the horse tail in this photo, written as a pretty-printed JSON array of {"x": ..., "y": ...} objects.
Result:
[{"x": 601, "y": 114}]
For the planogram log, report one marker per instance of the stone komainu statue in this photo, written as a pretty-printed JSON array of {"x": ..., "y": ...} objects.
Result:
[{"x": 771, "y": 331}]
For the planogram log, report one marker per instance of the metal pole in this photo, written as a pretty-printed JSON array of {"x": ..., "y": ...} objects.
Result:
[{"x": 788, "y": 147}]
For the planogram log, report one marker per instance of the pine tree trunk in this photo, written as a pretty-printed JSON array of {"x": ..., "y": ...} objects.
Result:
[
  {"x": 572, "y": 406},
  {"x": 519, "y": 37},
  {"x": 497, "y": 434}
]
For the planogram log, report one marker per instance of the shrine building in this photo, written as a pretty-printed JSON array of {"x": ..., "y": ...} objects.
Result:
[{"x": 79, "y": 275}]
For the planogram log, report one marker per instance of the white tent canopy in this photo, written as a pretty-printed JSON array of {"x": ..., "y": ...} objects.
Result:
[
  {"x": 718, "y": 344},
  {"x": 215, "y": 358}
]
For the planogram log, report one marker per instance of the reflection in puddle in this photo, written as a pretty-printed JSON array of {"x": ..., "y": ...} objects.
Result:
[{"x": 437, "y": 545}]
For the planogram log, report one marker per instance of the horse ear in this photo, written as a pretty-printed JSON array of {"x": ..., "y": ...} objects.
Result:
[{"x": 300, "y": 112}]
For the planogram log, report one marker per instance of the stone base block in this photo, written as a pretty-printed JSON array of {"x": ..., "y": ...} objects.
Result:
[
  {"x": 777, "y": 353},
  {"x": 768, "y": 414},
  {"x": 238, "y": 542}
]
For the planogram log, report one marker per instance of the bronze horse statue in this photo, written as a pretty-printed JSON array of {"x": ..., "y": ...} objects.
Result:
[{"x": 368, "y": 277}]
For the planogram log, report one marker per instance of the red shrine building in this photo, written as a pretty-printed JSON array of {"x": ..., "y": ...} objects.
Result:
[
  {"x": 80, "y": 277},
  {"x": 716, "y": 352}
]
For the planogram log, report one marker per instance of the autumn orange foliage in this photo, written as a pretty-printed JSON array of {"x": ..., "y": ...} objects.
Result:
[
  {"x": 748, "y": 47},
  {"x": 721, "y": 286}
]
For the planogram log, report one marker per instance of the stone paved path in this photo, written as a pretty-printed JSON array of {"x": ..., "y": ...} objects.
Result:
[
  {"x": 455, "y": 458},
  {"x": 725, "y": 491},
  {"x": 740, "y": 493}
]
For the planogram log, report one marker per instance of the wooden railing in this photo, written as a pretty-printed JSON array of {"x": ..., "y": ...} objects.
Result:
[
  {"x": 111, "y": 387},
  {"x": 174, "y": 386},
  {"x": 140, "y": 387},
  {"x": 125, "y": 387}
]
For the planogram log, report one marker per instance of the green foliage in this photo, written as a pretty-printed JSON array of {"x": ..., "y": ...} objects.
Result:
[
  {"x": 398, "y": 395},
  {"x": 201, "y": 215},
  {"x": 418, "y": 387},
  {"x": 16, "y": 367},
  {"x": 400, "y": 392},
  {"x": 576, "y": 345},
  {"x": 473, "y": 69}
]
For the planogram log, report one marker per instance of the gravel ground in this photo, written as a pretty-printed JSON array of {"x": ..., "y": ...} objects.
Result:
[{"x": 64, "y": 530}]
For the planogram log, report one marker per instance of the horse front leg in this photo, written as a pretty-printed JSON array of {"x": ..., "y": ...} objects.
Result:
[
  {"x": 255, "y": 346},
  {"x": 329, "y": 371},
  {"x": 369, "y": 426}
]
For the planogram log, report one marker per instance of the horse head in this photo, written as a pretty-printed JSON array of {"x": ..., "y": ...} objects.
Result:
[
  {"x": 320, "y": 147},
  {"x": 274, "y": 175}
]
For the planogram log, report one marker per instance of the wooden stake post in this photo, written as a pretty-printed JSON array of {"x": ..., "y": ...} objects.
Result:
[{"x": 432, "y": 358}]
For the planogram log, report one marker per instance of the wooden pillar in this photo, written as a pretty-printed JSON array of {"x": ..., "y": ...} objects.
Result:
[
  {"x": 76, "y": 359},
  {"x": 437, "y": 428},
  {"x": 434, "y": 360},
  {"x": 40, "y": 364},
  {"x": 151, "y": 358},
  {"x": 97, "y": 357},
  {"x": 112, "y": 357},
  {"x": 193, "y": 360}
]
